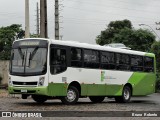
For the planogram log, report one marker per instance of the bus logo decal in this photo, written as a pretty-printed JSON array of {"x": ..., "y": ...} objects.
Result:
[{"x": 102, "y": 76}]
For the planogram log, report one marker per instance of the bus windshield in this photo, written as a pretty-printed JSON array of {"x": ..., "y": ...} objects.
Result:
[{"x": 28, "y": 61}]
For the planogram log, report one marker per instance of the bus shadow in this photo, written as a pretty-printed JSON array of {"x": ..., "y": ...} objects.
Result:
[
  {"x": 59, "y": 103},
  {"x": 53, "y": 103}
]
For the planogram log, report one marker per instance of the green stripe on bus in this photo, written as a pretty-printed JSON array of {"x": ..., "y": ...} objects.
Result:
[
  {"x": 142, "y": 83},
  {"x": 57, "y": 89},
  {"x": 101, "y": 90}
]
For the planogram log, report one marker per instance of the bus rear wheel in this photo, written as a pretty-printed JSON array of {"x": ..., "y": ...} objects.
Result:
[
  {"x": 72, "y": 96},
  {"x": 126, "y": 95},
  {"x": 39, "y": 98},
  {"x": 96, "y": 99}
]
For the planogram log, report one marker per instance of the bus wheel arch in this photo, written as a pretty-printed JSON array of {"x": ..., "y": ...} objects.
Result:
[
  {"x": 126, "y": 94},
  {"x": 130, "y": 86},
  {"x": 73, "y": 93},
  {"x": 76, "y": 85}
]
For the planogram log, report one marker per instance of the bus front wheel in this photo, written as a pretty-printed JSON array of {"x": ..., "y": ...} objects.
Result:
[
  {"x": 126, "y": 95},
  {"x": 72, "y": 96},
  {"x": 96, "y": 99},
  {"x": 39, "y": 98}
]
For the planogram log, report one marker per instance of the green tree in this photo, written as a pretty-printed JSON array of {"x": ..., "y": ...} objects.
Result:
[
  {"x": 140, "y": 40},
  {"x": 156, "y": 50},
  {"x": 113, "y": 28},
  {"x": 7, "y": 36},
  {"x": 34, "y": 36},
  {"x": 122, "y": 32}
]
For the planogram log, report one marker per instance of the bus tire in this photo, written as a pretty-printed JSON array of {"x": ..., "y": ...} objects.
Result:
[
  {"x": 126, "y": 95},
  {"x": 39, "y": 98},
  {"x": 72, "y": 96},
  {"x": 96, "y": 99}
]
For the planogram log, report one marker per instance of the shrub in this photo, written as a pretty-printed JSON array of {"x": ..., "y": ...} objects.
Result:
[{"x": 158, "y": 83}]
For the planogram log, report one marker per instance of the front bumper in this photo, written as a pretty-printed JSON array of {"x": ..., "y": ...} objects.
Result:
[
  {"x": 28, "y": 90},
  {"x": 53, "y": 90}
]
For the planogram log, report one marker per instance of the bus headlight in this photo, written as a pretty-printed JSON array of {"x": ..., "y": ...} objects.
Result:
[
  {"x": 9, "y": 81},
  {"x": 41, "y": 81}
]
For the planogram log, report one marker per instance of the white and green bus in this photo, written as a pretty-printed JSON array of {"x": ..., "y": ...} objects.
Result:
[{"x": 47, "y": 69}]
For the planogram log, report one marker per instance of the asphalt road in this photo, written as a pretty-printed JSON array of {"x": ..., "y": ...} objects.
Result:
[{"x": 149, "y": 103}]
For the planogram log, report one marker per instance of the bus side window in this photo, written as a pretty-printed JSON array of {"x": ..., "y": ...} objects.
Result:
[
  {"x": 136, "y": 63},
  {"x": 107, "y": 60},
  {"x": 76, "y": 57},
  {"x": 91, "y": 59},
  {"x": 57, "y": 60},
  {"x": 123, "y": 61},
  {"x": 148, "y": 64}
]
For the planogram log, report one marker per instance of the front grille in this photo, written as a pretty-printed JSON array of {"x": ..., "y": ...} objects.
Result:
[{"x": 24, "y": 83}]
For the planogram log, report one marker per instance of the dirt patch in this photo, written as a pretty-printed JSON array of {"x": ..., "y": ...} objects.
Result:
[{"x": 3, "y": 93}]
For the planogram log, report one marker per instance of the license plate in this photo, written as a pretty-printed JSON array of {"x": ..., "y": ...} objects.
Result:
[{"x": 24, "y": 91}]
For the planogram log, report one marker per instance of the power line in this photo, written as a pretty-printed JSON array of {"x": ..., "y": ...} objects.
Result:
[
  {"x": 95, "y": 23},
  {"x": 137, "y": 3},
  {"x": 100, "y": 20},
  {"x": 89, "y": 10},
  {"x": 91, "y": 3},
  {"x": 126, "y": 2}
]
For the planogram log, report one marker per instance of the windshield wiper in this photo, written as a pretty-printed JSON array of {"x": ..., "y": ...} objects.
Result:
[
  {"x": 29, "y": 56},
  {"x": 33, "y": 53},
  {"x": 21, "y": 55}
]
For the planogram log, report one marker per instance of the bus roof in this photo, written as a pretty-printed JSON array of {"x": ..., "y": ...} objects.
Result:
[
  {"x": 92, "y": 46},
  {"x": 98, "y": 47}
]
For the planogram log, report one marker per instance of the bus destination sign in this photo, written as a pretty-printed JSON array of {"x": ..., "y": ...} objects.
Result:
[{"x": 29, "y": 43}]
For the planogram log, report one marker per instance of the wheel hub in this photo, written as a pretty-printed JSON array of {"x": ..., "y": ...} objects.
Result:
[
  {"x": 126, "y": 94},
  {"x": 71, "y": 95}
]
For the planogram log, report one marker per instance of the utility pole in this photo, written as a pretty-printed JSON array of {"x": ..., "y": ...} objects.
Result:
[
  {"x": 43, "y": 19},
  {"x": 37, "y": 26},
  {"x": 56, "y": 19},
  {"x": 27, "y": 28}
]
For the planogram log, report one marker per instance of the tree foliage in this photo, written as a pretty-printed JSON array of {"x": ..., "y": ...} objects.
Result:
[
  {"x": 123, "y": 32},
  {"x": 156, "y": 50},
  {"x": 34, "y": 36},
  {"x": 7, "y": 36}
]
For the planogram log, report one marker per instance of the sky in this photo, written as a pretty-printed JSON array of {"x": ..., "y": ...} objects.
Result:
[{"x": 83, "y": 20}]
